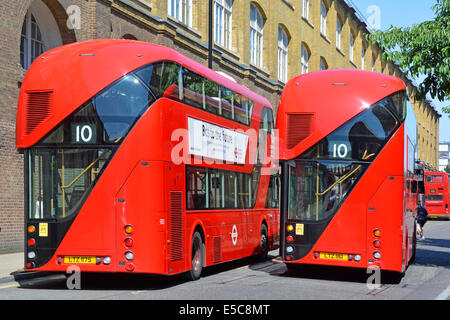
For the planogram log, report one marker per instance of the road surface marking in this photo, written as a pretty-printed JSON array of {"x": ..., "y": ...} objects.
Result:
[
  {"x": 444, "y": 294},
  {"x": 12, "y": 285}
]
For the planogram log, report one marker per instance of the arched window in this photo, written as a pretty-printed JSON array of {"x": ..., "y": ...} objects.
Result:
[
  {"x": 338, "y": 32},
  {"x": 31, "y": 44},
  {"x": 351, "y": 46},
  {"x": 323, "y": 18},
  {"x": 305, "y": 11},
  {"x": 305, "y": 59},
  {"x": 283, "y": 42},
  {"x": 181, "y": 10},
  {"x": 40, "y": 32},
  {"x": 323, "y": 64},
  {"x": 129, "y": 37},
  {"x": 256, "y": 36},
  {"x": 223, "y": 10}
]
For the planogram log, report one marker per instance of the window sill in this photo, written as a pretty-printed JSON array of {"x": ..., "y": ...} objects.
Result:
[
  {"x": 307, "y": 22},
  {"x": 229, "y": 52},
  {"x": 262, "y": 70},
  {"x": 325, "y": 38},
  {"x": 339, "y": 50},
  {"x": 184, "y": 27}
]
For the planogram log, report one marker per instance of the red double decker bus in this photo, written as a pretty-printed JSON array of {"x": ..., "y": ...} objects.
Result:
[
  {"x": 138, "y": 159},
  {"x": 437, "y": 194},
  {"x": 349, "y": 184}
]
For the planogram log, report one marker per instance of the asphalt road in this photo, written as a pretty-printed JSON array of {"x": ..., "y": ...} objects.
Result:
[{"x": 257, "y": 284}]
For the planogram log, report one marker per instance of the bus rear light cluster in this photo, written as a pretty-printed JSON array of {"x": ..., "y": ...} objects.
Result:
[
  {"x": 129, "y": 229},
  {"x": 129, "y": 255},
  {"x": 128, "y": 242}
]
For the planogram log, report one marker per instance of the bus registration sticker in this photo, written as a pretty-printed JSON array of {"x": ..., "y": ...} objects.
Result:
[
  {"x": 299, "y": 229},
  {"x": 334, "y": 256},
  {"x": 43, "y": 229},
  {"x": 79, "y": 259}
]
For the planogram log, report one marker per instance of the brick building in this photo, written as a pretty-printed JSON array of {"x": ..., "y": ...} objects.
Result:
[{"x": 261, "y": 44}]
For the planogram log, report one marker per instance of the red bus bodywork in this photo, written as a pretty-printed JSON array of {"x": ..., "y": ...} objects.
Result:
[
  {"x": 437, "y": 194},
  {"x": 139, "y": 185},
  {"x": 373, "y": 224}
]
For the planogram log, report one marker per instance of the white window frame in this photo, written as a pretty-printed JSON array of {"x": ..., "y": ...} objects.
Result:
[
  {"x": 305, "y": 59},
  {"x": 338, "y": 33},
  {"x": 305, "y": 9},
  {"x": 323, "y": 18},
  {"x": 283, "y": 42},
  {"x": 373, "y": 64},
  {"x": 351, "y": 47},
  {"x": 180, "y": 10},
  {"x": 223, "y": 17},
  {"x": 256, "y": 36}
]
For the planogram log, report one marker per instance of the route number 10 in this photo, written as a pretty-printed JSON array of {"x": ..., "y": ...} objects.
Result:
[
  {"x": 340, "y": 151},
  {"x": 84, "y": 133}
]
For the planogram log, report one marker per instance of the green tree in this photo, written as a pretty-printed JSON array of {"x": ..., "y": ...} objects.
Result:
[
  {"x": 422, "y": 50},
  {"x": 447, "y": 168}
]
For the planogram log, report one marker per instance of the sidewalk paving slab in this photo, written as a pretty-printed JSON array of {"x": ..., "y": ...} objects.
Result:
[{"x": 10, "y": 263}]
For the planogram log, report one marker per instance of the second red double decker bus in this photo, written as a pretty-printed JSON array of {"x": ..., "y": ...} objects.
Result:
[
  {"x": 138, "y": 159},
  {"x": 348, "y": 151},
  {"x": 437, "y": 194}
]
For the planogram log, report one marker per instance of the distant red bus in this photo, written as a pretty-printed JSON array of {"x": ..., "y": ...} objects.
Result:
[
  {"x": 138, "y": 159},
  {"x": 437, "y": 194},
  {"x": 349, "y": 185}
]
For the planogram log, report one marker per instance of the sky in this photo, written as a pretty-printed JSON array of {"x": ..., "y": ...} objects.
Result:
[{"x": 405, "y": 13}]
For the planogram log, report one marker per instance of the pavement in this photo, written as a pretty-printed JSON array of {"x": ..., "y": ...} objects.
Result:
[{"x": 10, "y": 263}]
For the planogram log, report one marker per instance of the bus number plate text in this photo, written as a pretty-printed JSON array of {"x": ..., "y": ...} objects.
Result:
[{"x": 334, "y": 256}]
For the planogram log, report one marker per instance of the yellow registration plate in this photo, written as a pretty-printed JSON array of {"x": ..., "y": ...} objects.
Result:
[
  {"x": 79, "y": 259},
  {"x": 333, "y": 256}
]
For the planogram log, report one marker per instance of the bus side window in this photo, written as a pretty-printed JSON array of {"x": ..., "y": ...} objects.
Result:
[
  {"x": 212, "y": 97},
  {"x": 165, "y": 80},
  {"x": 413, "y": 186},
  {"x": 193, "y": 89},
  {"x": 227, "y": 103}
]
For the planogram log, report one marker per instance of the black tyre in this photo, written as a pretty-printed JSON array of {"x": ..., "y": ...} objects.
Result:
[
  {"x": 197, "y": 257},
  {"x": 263, "y": 243}
]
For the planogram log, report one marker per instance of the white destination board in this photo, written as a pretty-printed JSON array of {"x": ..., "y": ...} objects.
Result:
[{"x": 211, "y": 141}]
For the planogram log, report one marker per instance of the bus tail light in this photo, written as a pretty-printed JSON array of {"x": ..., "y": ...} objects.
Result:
[
  {"x": 129, "y": 229},
  {"x": 289, "y": 238},
  {"x": 31, "y": 229},
  {"x": 377, "y": 255},
  {"x": 31, "y": 242},
  {"x": 377, "y": 233},
  {"x": 376, "y": 244},
  {"x": 129, "y": 255},
  {"x": 290, "y": 228},
  {"x": 31, "y": 255},
  {"x": 357, "y": 258},
  {"x": 106, "y": 260},
  {"x": 129, "y": 242}
]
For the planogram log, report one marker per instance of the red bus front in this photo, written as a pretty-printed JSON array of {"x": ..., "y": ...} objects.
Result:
[
  {"x": 437, "y": 195},
  {"x": 115, "y": 180},
  {"x": 349, "y": 192}
]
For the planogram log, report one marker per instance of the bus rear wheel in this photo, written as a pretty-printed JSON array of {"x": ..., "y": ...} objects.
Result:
[
  {"x": 263, "y": 243},
  {"x": 197, "y": 257}
]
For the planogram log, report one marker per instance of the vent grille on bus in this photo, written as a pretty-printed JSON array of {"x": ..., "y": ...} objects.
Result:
[
  {"x": 176, "y": 226},
  {"x": 38, "y": 108},
  {"x": 298, "y": 128},
  {"x": 217, "y": 249}
]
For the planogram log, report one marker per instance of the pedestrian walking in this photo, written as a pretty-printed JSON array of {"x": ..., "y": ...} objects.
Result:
[{"x": 422, "y": 217}]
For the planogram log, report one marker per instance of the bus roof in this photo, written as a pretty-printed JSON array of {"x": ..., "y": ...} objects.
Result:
[
  {"x": 76, "y": 72},
  {"x": 329, "y": 98}
]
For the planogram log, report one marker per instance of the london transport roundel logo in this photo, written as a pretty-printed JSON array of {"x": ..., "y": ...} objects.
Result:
[{"x": 234, "y": 235}]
